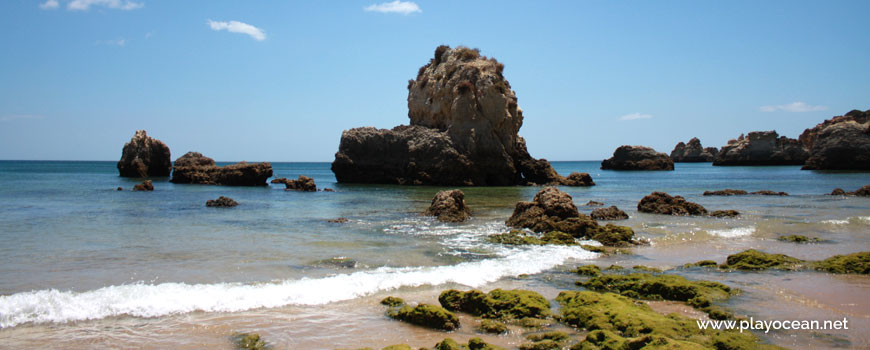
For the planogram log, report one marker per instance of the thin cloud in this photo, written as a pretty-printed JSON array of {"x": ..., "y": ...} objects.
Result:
[
  {"x": 797, "y": 107},
  {"x": 238, "y": 27},
  {"x": 83, "y": 5},
  {"x": 635, "y": 116},
  {"x": 401, "y": 7},
  {"x": 118, "y": 42},
  {"x": 49, "y": 5},
  {"x": 9, "y": 118}
]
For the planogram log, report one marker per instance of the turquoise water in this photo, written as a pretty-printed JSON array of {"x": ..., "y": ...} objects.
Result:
[{"x": 73, "y": 248}]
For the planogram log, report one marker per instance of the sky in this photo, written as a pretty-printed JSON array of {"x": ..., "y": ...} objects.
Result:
[{"x": 280, "y": 80}]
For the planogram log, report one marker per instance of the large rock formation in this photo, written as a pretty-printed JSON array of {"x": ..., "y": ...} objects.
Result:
[
  {"x": 693, "y": 152},
  {"x": 762, "y": 148},
  {"x": 194, "y": 168},
  {"x": 464, "y": 120},
  {"x": 144, "y": 156},
  {"x": 449, "y": 206},
  {"x": 637, "y": 158},
  {"x": 840, "y": 143}
]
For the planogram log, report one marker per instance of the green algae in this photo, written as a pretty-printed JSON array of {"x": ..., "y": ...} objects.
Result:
[
  {"x": 531, "y": 322},
  {"x": 473, "y": 344},
  {"x": 702, "y": 263},
  {"x": 542, "y": 345},
  {"x": 612, "y": 235},
  {"x": 646, "y": 268},
  {"x": 479, "y": 344},
  {"x": 398, "y": 347},
  {"x": 556, "y": 336},
  {"x": 852, "y": 263},
  {"x": 392, "y": 301},
  {"x": 249, "y": 341},
  {"x": 426, "y": 315},
  {"x": 618, "y": 322},
  {"x": 492, "y": 326},
  {"x": 498, "y": 303},
  {"x": 517, "y": 237},
  {"x": 798, "y": 239},
  {"x": 556, "y": 237},
  {"x": 754, "y": 260},
  {"x": 615, "y": 267},
  {"x": 594, "y": 249},
  {"x": 588, "y": 270}
]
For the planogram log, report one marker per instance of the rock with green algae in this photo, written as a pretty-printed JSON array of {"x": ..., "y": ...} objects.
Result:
[
  {"x": 556, "y": 336},
  {"x": 398, "y": 347},
  {"x": 698, "y": 294},
  {"x": 755, "y": 260},
  {"x": 492, "y": 326},
  {"x": 498, "y": 303},
  {"x": 593, "y": 248},
  {"x": 858, "y": 263},
  {"x": 612, "y": 235},
  {"x": 588, "y": 270},
  {"x": 702, "y": 263},
  {"x": 615, "y": 321},
  {"x": 646, "y": 268},
  {"x": 531, "y": 322},
  {"x": 798, "y": 239},
  {"x": 426, "y": 315},
  {"x": 517, "y": 237},
  {"x": 392, "y": 301},
  {"x": 473, "y": 344},
  {"x": 249, "y": 341},
  {"x": 546, "y": 344}
]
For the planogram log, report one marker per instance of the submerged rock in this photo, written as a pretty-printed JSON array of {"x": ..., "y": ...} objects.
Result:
[
  {"x": 769, "y": 193},
  {"x": 426, "y": 315},
  {"x": 146, "y": 185},
  {"x": 693, "y": 152},
  {"x": 497, "y": 304},
  {"x": 393, "y": 301},
  {"x": 517, "y": 237},
  {"x": 249, "y": 341},
  {"x": 594, "y": 204},
  {"x": 762, "y": 148},
  {"x": 144, "y": 156},
  {"x": 637, "y": 158},
  {"x": 757, "y": 260},
  {"x": 611, "y": 213},
  {"x": 194, "y": 168},
  {"x": 225, "y": 202},
  {"x": 798, "y": 239},
  {"x": 464, "y": 123},
  {"x": 492, "y": 326},
  {"x": 724, "y": 213},
  {"x": 449, "y": 206},
  {"x": 725, "y": 192},
  {"x": 338, "y": 220},
  {"x": 663, "y": 203},
  {"x": 840, "y": 143},
  {"x": 303, "y": 184}
]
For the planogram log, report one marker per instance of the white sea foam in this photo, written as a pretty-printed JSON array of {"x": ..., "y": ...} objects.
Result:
[
  {"x": 733, "y": 232},
  {"x": 149, "y": 300},
  {"x": 835, "y": 222}
]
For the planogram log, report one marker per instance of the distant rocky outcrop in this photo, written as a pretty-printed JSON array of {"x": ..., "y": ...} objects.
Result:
[
  {"x": 840, "y": 143},
  {"x": 144, "y": 156},
  {"x": 693, "y": 152},
  {"x": 222, "y": 202},
  {"x": 303, "y": 184},
  {"x": 611, "y": 213},
  {"x": 762, "y": 148},
  {"x": 464, "y": 120},
  {"x": 864, "y": 191},
  {"x": 554, "y": 210},
  {"x": 578, "y": 179},
  {"x": 194, "y": 168},
  {"x": 449, "y": 206},
  {"x": 637, "y": 158},
  {"x": 663, "y": 203},
  {"x": 146, "y": 185}
]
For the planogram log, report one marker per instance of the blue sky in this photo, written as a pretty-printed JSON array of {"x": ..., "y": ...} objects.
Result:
[{"x": 280, "y": 80}]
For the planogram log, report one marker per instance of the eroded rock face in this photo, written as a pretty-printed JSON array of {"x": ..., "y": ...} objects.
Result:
[
  {"x": 637, "y": 158},
  {"x": 663, "y": 203},
  {"x": 221, "y": 202},
  {"x": 464, "y": 120},
  {"x": 303, "y": 184},
  {"x": 449, "y": 206},
  {"x": 762, "y": 148},
  {"x": 840, "y": 143},
  {"x": 144, "y": 156},
  {"x": 194, "y": 168},
  {"x": 693, "y": 152},
  {"x": 611, "y": 213}
]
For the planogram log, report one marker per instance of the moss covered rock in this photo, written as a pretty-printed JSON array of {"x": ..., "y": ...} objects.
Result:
[
  {"x": 499, "y": 303},
  {"x": 612, "y": 235},
  {"x": 588, "y": 270},
  {"x": 702, "y": 263},
  {"x": 852, "y": 263},
  {"x": 398, "y": 347},
  {"x": 492, "y": 326},
  {"x": 426, "y": 315},
  {"x": 542, "y": 345},
  {"x": 757, "y": 260},
  {"x": 615, "y": 321},
  {"x": 798, "y": 239},
  {"x": 658, "y": 287},
  {"x": 249, "y": 341},
  {"x": 392, "y": 301}
]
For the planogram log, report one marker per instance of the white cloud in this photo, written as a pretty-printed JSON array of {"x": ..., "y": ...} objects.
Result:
[
  {"x": 9, "y": 118},
  {"x": 635, "y": 116},
  {"x": 82, "y": 5},
  {"x": 403, "y": 7},
  {"x": 49, "y": 5},
  {"x": 119, "y": 42},
  {"x": 793, "y": 107},
  {"x": 238, "y": 27}
]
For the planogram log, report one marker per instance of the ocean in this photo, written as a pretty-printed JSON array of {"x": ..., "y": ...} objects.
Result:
[{"x": 85, "y": 266}]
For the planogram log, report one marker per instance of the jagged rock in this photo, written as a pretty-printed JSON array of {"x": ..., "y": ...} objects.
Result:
[
  {"x": 223, "y": 202},
  {"x": 144, "y": 186},
  {"x": 838, "y": 192},
  {"x": 449, "y": 206},
  {"x": 464, "y": 120},
  {"x": 762, "y": 148},
  {"x": 637, "y": 158},
  {"x": 594, "y": 204},
  {"x": 303, "y": 183},
  {"x": 663, "y": 203},
  {"x": 840, "y": 143},
  {"x": 144, "y": 156},
  {"x": 612, "y": 213},
  {"x": 578, "y": 179},
  {"x": 693, "y": 152},
  {"x": 280, "y": 180},
  {"x": 554, "y": 210},
  {"x": 864, "y": 191},
  {"x": 194, "y": 168}
]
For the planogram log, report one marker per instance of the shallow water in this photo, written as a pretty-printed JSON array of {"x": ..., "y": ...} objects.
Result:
[{"x": 83, "y": 265}]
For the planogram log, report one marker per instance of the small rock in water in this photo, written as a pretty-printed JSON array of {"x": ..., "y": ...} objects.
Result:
[
  {"x": 144, "y": 186},
  {"x": 328, "y": 190},
  {"x": 223, "y": 202},
  {"x": 663, "y": 203},
  {"x": 338, "y": 261},
  {"x": 303, "y": 183},
  {"x": 594, "y": 204},
  {"x": 448, "y": 206},
  {"x": 119, "y": 188},
  {"x": 612, "y": 213},
  {"x": 338, "y": 220},
  {"x": 724, "y": 213}
]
